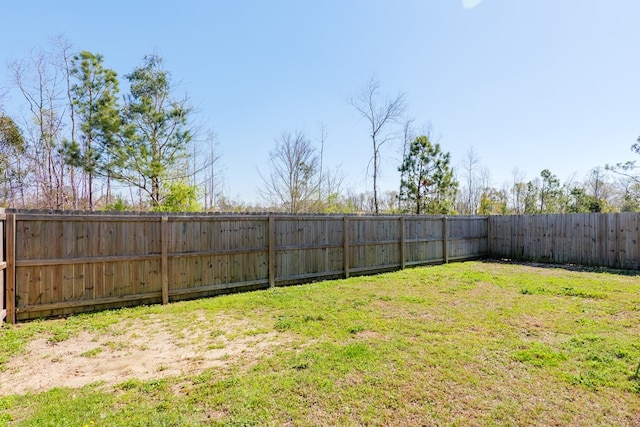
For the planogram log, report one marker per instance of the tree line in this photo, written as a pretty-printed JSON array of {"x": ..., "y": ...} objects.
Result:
[
  {"x": 83, "y": 145},
  {"x": 429, "y": 184}
]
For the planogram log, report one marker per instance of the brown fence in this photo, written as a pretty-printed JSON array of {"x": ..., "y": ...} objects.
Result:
[
  {"x": 61, "y": 263},
  {"x": 3, "y": 267},
  {"x": 55, "y": 264},
  {"x": 605, "y": 240}
]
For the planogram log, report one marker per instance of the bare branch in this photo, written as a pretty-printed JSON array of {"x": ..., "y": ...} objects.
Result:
[{"x": 381, "y": 113}]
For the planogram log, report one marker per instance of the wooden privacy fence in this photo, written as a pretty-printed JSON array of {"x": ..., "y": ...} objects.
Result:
[
  {"x": 605, "y": 240},
  {"x": 59, "y": 264},
  {"x": 55, "y": 264}
]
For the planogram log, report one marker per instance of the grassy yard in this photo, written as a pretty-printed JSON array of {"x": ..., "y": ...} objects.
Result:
[{"x": 465, "y": 344}]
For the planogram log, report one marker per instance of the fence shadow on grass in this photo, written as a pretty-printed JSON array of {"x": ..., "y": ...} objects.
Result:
[{"x": 567, "y": 267}]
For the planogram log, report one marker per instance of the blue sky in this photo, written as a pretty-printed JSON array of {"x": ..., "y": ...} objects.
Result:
[{"x": 532, "y": 84}]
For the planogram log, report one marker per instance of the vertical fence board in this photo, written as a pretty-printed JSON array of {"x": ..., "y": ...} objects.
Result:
[
  {"x": 634, "y": 243},
  {"x": 272, "y": 251},
  {"x": 3, "y": 268},
  {"x": 445, "y": 240},
  {"x": 164, "y": 263},
  {"x": 402, "y": 244},
  {"x": 345, "y": 248},
  {"x": 10, "y": 246}
]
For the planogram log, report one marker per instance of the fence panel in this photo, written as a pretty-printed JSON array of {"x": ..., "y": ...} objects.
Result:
[
  {"x": 309, "y": 247},
  {"x": 68, "y": 263},
  {"x": 423, "y": 240},
  {"x": 374, "y": 244},
  {"x": 595, "y": 239},
  {"x": 467, "y": 237},
  {"x": 208, "y": 254}
]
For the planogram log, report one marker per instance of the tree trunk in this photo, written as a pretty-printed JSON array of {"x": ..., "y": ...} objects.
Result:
[
  {"x": 90, "y": 191},
  {"x": 155, "y": 192},
  {"x": 375, "y": 177}
]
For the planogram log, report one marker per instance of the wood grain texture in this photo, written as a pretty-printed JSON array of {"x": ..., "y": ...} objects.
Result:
[
  {"x": 10, "y": 272},
  {"x": 589, "y": 239},
  {"x": 93, "y": 261}
]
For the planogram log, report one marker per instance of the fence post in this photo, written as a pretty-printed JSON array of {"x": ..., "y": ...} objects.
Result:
[
  {"x": 164, "y": 239},
  {"x": 345, "y": 248},
  {"x": 272, "y": 251},
  {"x": 402, "y": 260},
  {"x": 445, "y": 243},
  {"x": 10, "y": 277}
]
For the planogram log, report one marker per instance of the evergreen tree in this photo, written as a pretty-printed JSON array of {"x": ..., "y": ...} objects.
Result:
[
  {"x": 11, "y": 149},
  {"x": 531, "y": 197},
  {"x": 156, "y": 135},
  {"x": 552, "y": 198},
  {"x": 94, "y": 100},
  {"x": 581, "y": 202},
  {"x": 428, "y": 184}
]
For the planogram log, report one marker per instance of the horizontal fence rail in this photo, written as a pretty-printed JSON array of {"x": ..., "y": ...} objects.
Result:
[{"x": 58, "y": 264}]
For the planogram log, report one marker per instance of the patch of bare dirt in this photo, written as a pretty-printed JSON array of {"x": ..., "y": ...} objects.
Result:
[{"x": 152, "y": 351}]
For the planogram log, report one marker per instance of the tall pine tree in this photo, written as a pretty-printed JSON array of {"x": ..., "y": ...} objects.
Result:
[
  {"x": 94, "y": 100},
  {"x": 428, "y": 185},
  {"x": 157, "y": 133}
]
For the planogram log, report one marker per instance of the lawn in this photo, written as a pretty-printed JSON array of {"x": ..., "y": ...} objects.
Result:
[{"x": 464, "y": 344}]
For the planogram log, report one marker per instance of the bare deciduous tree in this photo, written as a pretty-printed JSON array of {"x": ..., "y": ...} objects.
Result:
[
  {"x": 299, "y": 181},
  {"x": 41, "y": 85},
  {"x": 65, "y": 53},
  {"x": 518, "y": 190},
  {"x": 408, "y": 135},
  {"x": 294, "y": 165},
  {"x": 207, "y": 171},
  {"x": 597, "y": 184},
  {"x": 381, "y": 113},
  {"x": 627, "y": 194},
  {"x": 472, "y": 191}
]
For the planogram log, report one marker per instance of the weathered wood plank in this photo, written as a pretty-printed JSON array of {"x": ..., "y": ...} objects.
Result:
[
  {"x": 72, "y": 304},
  {"x": 345, "y": 248},
  {"x": 164, "y": 266},
  {"x": 215, "y": 287},
  {"x": 272, "y": 251},
  {"x": 3, "y": 266},
  {"x": 402, "y": 243},
  {"x": 10, "y": 275},
  {"x": 445, "y": 240}
]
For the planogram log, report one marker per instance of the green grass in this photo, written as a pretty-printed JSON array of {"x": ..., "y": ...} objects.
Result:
[{"x": 461, "y": 344}]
